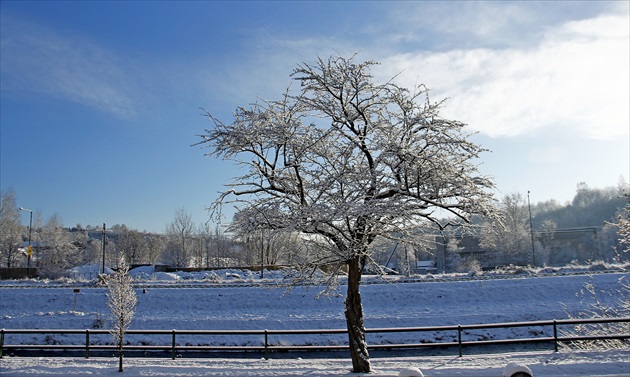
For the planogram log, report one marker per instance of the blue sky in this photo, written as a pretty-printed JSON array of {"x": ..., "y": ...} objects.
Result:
[{"x": 100, "y": 100}]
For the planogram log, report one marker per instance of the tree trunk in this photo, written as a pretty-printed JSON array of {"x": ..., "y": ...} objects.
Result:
[
  {"x": 120, "y": 355},
  {"x": 354, "y": 319}
]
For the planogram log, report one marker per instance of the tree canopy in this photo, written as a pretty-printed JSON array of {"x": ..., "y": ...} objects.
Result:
[
  {"x": 348, "y": 157},
  {"x": 347, "y": 160}
]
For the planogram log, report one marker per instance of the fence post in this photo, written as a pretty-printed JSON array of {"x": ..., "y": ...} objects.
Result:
[
  {"x": 266, "y": 345},
  {"x": 87, "y": 343},
  {"x": 555, "y": 336},
  {"x": 173, "y": 345},
  {"x": 1, "y": 342},
  {"x": 459, "y": 339}
]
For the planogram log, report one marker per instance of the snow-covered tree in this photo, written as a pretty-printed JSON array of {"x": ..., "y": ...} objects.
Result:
[
  {"x": 222, "y": 248},
  {"x": 267, "y": 247},
  {"x": 10, "y": 230},
  {"x": 58, "y": 253},
  {"x": 455, "y": 262},
  {"x": 624, "y": 230},
  {"x": 348, "y": 160},
  {"x": 180, "y": 233},
  {"x": 510, "y": 239},
  {"x": 132, "y": 242},
  {"x": 155, "y": 246},
  {"x": 622, "y": 227},
  {"x": 122, "y": 300}
]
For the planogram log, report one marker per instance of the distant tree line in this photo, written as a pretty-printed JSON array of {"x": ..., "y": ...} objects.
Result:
[
  {"x": 583, "y": 230},
  {"x": 548, "y": 233},
  {"x": 593, "y": 226}
]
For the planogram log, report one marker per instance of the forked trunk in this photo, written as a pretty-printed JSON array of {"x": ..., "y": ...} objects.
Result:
[{"x": 354, "y": 319}]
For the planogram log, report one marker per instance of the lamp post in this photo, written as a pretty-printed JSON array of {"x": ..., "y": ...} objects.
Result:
[
  {"x": 262, "y": 255},
  {"x": 531, "y": 229},
  {"x": 30, "y": 249}
]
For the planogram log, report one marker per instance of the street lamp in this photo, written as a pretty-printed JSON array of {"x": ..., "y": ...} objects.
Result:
[
  {"x": 531, "y": 230},
  {"x": 30, "y": 228},
  {"x": 262, "y": 255}
]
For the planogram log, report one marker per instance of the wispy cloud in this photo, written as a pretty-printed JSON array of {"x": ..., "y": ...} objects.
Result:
[
  {"x": 553, "y": 154},
  {"x": 69, "y": 67},
  {"x": 441, "y": 25},
  {"x": 576, "y": 77},
  {"x": 264, "y": 66}
]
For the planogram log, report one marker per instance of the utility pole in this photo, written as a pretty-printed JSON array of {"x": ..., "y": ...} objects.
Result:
[
  {"x": 104, "y": 242},
  {"x": 531, "y": 230},
  {"x": 29, "y": 250}
]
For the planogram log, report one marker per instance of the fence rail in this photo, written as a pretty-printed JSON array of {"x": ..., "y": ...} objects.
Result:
[{"x": 266, "y": 346}]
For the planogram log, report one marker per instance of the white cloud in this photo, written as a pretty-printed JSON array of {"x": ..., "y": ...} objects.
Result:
[
  {"x": 37, "y": 59},
  {"x": 577, "y": 78}
]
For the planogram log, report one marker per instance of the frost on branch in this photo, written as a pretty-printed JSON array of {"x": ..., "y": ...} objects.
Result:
[
  {"x": 346, "y": 161},
  {"x": 600, "y": 304},
  {"x": 122, "y": 300}
]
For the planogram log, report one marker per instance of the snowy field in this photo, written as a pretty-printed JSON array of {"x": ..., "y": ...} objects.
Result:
[{"x": 179, "y": 302}]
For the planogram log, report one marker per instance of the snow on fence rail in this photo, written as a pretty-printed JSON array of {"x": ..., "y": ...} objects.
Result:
[{"x": 266, "y": 346}]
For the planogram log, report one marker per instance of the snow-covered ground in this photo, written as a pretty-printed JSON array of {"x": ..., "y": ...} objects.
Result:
[
  {"x": 206, "y": 304},
  {"x": 545, "y": 364}
]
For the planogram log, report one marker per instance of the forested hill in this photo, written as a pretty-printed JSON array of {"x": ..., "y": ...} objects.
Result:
[{"x": 589, "y": 207}]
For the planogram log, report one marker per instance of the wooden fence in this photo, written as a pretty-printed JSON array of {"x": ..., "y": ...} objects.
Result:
[{"x": 266, "y": 346}]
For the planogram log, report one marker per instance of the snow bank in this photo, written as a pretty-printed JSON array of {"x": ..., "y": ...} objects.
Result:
[
  {"x": 164, "y": 276},
  {"x": 88, "y": 268},
  {"x": 515, "y": 370},
  {"x": 229, "y": 275},
  {"x": 142, "y": 273},
  {"x": 148, "y": 273},
  {"x": 410, "y": 372},
  {"x": 86, "y": 272}
]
